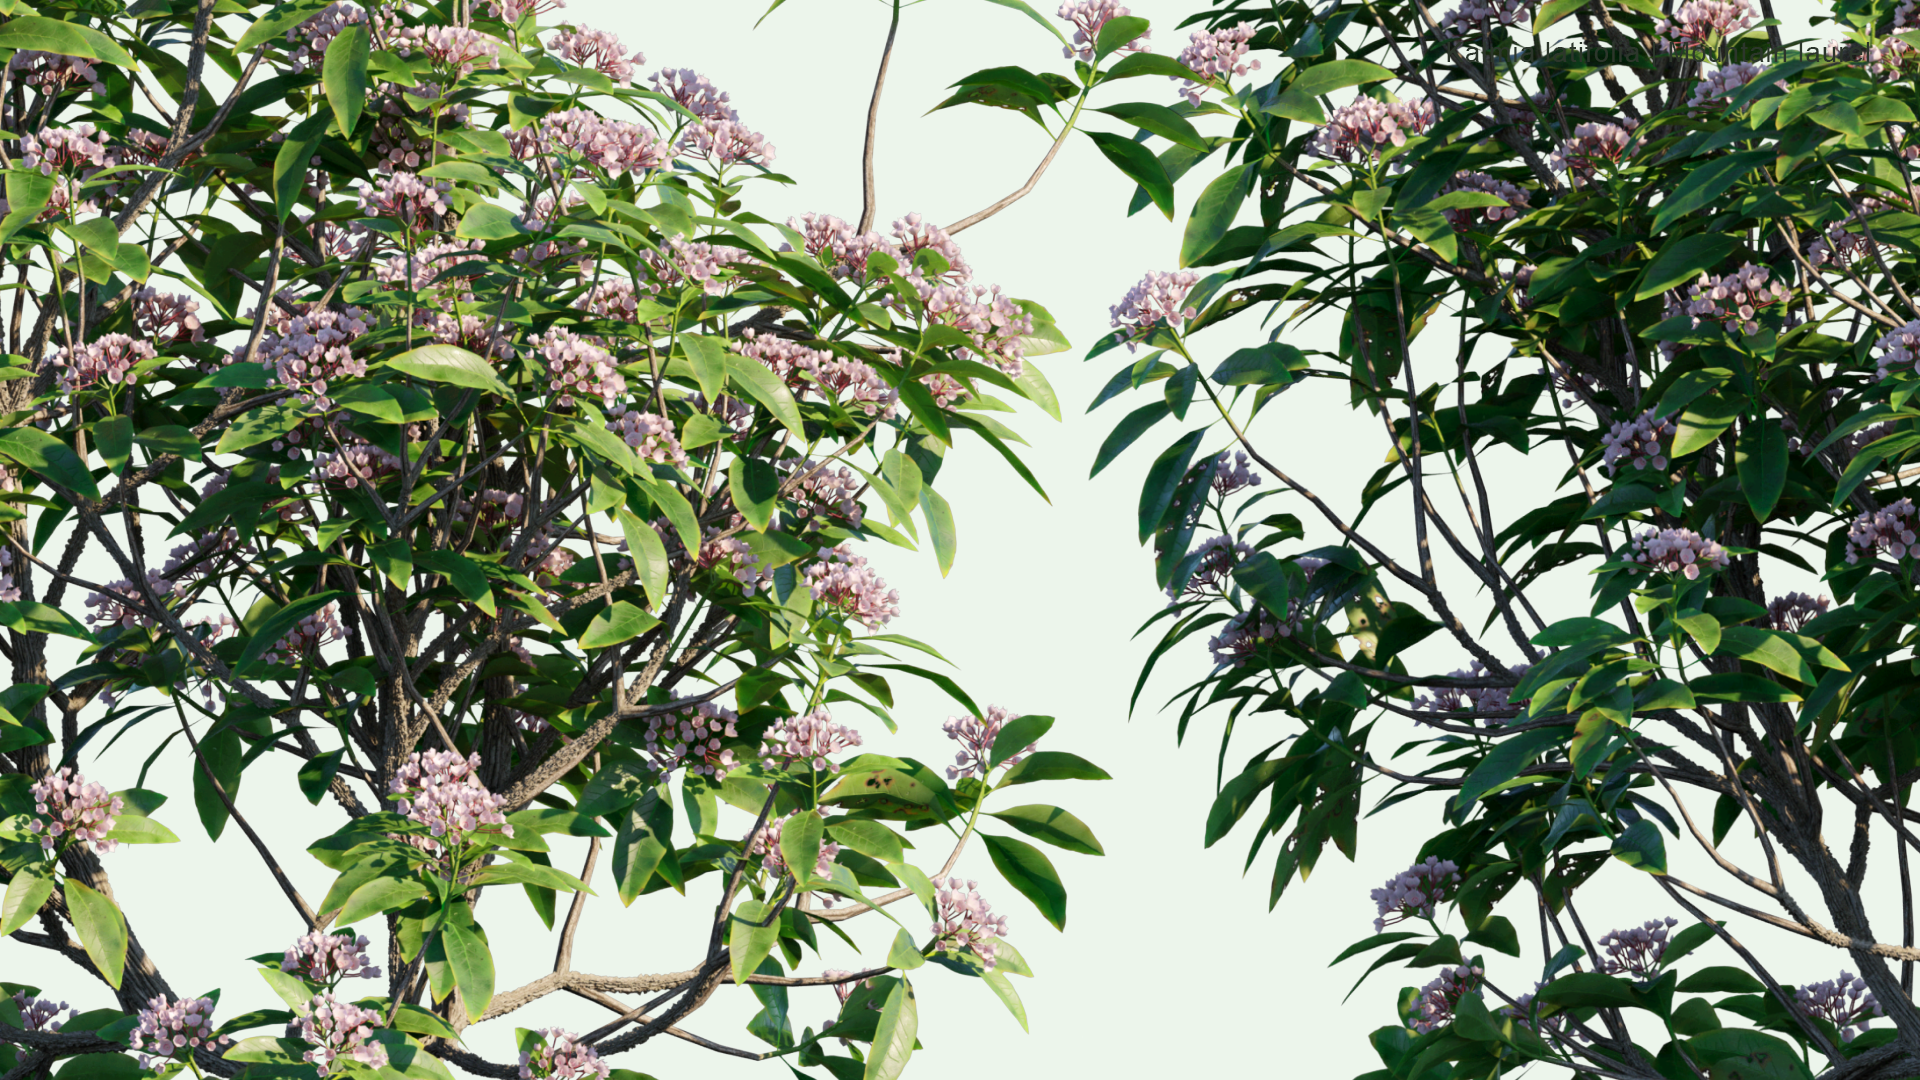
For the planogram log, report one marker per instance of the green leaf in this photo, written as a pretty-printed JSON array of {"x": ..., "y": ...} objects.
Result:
[
  {"x": 1127, "y": 432},
  {"x": 1213, "y": 214},
  {"x": 1704, "y": 421},
  {"x": 1115, "y": 33},
  {"x": 132, "y": 829},
  {"x": 472, "y": 964},
  {"x": 1018, "y": 734},
  {"x": 1741, "y": 1054},
  {"x": 868, "y": 838},
  {"x": 291, "y": 162},
  {"x": 256, "y": 426},
  {"x": 344, "y": 74},
  {"x": 1505, "y": 761},
  {"x": 897, "y": 1031},
  {"x": 1642, "y": 846},
  {"x": 939, "y": 528},
  {"x": 1721, "y": 979},
  {"x": 1003, "y": 986},
  {"x": 800, "y": 845},
  {"x": 755, "y": 487},
  {"x": 1555, "y": 10},
  {"x": 905, "y": 955},
  {"x": 451, "y": 365},
  {"x": 279, "y": 624},
  {"x": 1140, "y": 165},
  {"x": 1706, "y": 183},
  {"x": 1760, "y": 458},
  {"x": 1589, "y": 989},
  {"x": 1740, "y": 686},
  {"x": 708, "y": 358},
  {"x": 29, "y": 617},
  {"x": 1498, "y": 934},
  {"x": 1052, "y": 765},
  {"x": 1682, "y": 259},
  {"x": 113, "y": 437},
  {"x": 462, "y": 573},
  {"x": 748, "y": 944},
  {"x": 1134, "y": 65},
  {"x": 170, "y": 439},
  {"x": 1159, "y": 120},
  {"x": 1029, "y": 871},
  {"x": 643, "y": 846},
  {"x": 1322, "y": 79},
  {"x": 317, "y": 775},
  {"x": 102, "y": 930},
  {"x": 764, "y": 387},
  {"x": 649, "y": 555},
  {"x": 26, "y": 894},
  {"x": 42, "y": 34},
  {"x": 485, "y": 221},
  {"x": 380, "y": 895},
  {"x": 275, "y": 23},
  {"x": 49, "y": 458},
  {"x": 394, "y": 561},
  {"x": 1768, "y": 648},
  {"x": 1163, "y": 478},
  {"x": 1017, "y": 5},
  {"x": 1053, "y": 825},
  {"x": 1687, "y": 940},
  {"x": 620, "y": 622}
]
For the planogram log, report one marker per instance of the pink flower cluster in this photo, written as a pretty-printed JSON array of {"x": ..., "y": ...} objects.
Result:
[
  {"x": 70, "y": 805},
  {"x": 578, "y": 365},
  {"x": 1889, "y": 529},
  {"x": 419, "y": 268},
  {"x": 1591, "y": 145},
  {"x": 825, "y": 494},
  {"x": 309, "y": 351},
  {"x": 1699, "y": 22},
  {"x": 766, "y": 844},
  {"x": 52, "y": 72},
  {"x": 354, "y": 464},
  {"x": 1844, "y": 1001},
  {"x": 650, "y": 435},
  {"x": 1465, "y": 217},
  {"x": 1640, "y": 442},
  {"x": 597, "y": 49},
  {"x": 615, "y": 146},
  {"x": 736, "y": 556},
  {"x": 1216, "y": 56},
  {"x": 338, "y": 1029},
  {"x": 1890, "y": 58},
  {"x": 37, "y": 1014},
  {"x": 1232, "y": 476},
  {"x": 1790, "y": 613},
  {"x": 810, "y": 739},
  {"x": 1244, "y": 635},
  {"x": 841, "y": 251},
  {"x": 966, "y": 920},
  {"x": 309, "y": 633},
  {"x": 117, "y": 600},
  {"x": 1677, "y": 551},
  {"x": 1213, "y": 573},
  {"x": 1720, "y": 83},
  {"x": 327, "y": 958},
  {"x": 166, "y": 318},
  {"x": 855, "y": 385},
  {"x": 687, "y": 262},
  {"x": 1416, "y": 892},
  {"x": 442, "y": 790},
  {"x": 1439, "y": 998},
  {"x": 693, "y": 91},
  {"x": 559, "y": 1055},
  {"x": 693, "y": 739},
  {"x": 310, "y": 39},
  {"x": 1475, "y": 699},
  {"x": 1734, "y": 299},
  {"x": 81, "y": 145},
  {"x": 406, "y": 198},
  {"x": 1637, "y": 950},
  {"x": 1472, "y": 17},
  {"x": 842, "y": 581},
  {"x": 168, "y": 1027},
  {"x": 975, "y": 736},
  {"x": 1159, "y": 299},
  {"x": 1087, "y": 17},
  {"x": 1899, "y": 347},
  {"x": 1365, "y": 127},
  {"x": 727, "y": 141},
  {"x": 108, "y": 361}
]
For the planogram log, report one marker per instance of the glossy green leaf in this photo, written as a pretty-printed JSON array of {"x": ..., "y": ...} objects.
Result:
[
  {"x": 1213, "y": 214},
  {"x": 904, "y": 954},
  {"x": 764, "y": 387},
  {"x": 279, "y": 624},
  {"x": 1681, "y": 260},
  {"x": 344, "y": 75},
  {"x": 708, "y": 358},
  {"x": 1016, "y": 736},
  {"x": 800, "y": 844},
  {"x": 755, "y": 487},
  {"x": 1761, "y": 462},
  {"x": 472, "y": 965},
  {"x": 49, "y": 458},
  {"x": 1029, "y": 870},
  {"x": 1140, "y": 165},
  {"x": 1163, "y": 477},
  {"x": 41, "y": 34},
  {"x": 1702, "y": 185},
  {"x": 1642, "y": 847},
  {"x": 619, "y": 622},
  {"x": 940, "y": 528},
  {"x": 1322, "y": 79},
  {"x": 747, "y": 943},
  {"x": 102, "y": 930},
  {"x": 1159, "y": 120},
  {"x": 1127, "y": 432},
  {"x": 26, "y": 894},
  {"x": 1053, "y": 825},
  {"x": 452, "y": 366}
]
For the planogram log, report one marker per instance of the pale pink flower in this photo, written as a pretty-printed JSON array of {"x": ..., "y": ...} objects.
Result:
[
  {"x": 324, "y": 957},
  {"x": 810, "y": 739},
  {"x": 1845, "y": 1002},
  {"x": 976, "y": 736},
  {"x": 1677, "y": 551},
  {"x": 560, "y": 1056},
  {"x": 166, "y": 318},
  {"x": 1217, "y": 56},
  {"x": 1160, "y": 299},
  {"x": 1641, "y": 442},
  {"x": 966, "y": 921},
  {"x": 338, "y": 1029},
  {"x": 1592, "y": 145},
  {"x": 843, "y": 582},
  {"x": 1734, "y": 299},
  {"x": 1087, "y": 17},
  {"x": 442, "y": 790},
  {"x": 692, "y": 738},
  {"x": 1466, "y": 217},
  {"x": 650, "y": 435},
  {"x": 766, "y": 844},
  {"x": 597, "y": 49},
  {"x": 1637, "y": 950},
  {"x": 108, "y": 361},
  {"x": 168, "y": 1029},
  {"x": 1698, "y": 23},
  {"x": 1792, "y": 612},
  {"x": 578, "y": 365},
  {"x": 310, "y": 633},
  {"x": 1416, "y": 892},
  {"x": 67, "y": 804},
  {"x": 1364, "y": 128},
  {"x": 1439, "y": 998},
  {"x": 1889, "y": 529},
  {"x": 38, "y": 1013}
]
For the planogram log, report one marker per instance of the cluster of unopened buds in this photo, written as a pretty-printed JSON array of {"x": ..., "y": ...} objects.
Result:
[
  {"x": 308, "y": 351},
  {"x": 1734, "y": 299},
  {"x": 693, "y": 92},
  {"x": 309, "y": 633},
  {"x": 735, "y": 557},
  {"x": 355, "y": 464},
  {"x": 108, "y": 361},
  {"x": 650, "y": 435},
  {"x": 68, "y": 805},
  {"x": 1159, "y": 299},
  {"x": 1677, "y": 551},
  {"x": 617, "y": 147},
  {"x": 1088, "y": 17},
  {"x": 966, "y": 920},
  {"x": 167, "y": 1029},
  {"x": 1212, "y": 572},
  {"x": 992, "y": 321},
  {"x": 855, "y": 385},
  {"x": 693, "y": 739},
  {"x": 80, "y": 146},
  {"x": 442, "y": 790},
  {"x": 406, "y": 198},
  {"x": 726, "y": 141},
  {"x": 976, "y": 736},
  {"x": 1244, "y": 635},
  {"x": 339, "y": 1029},
  {"x": 842, "y": 581},
  {"x": 1472, "y": 17},
  {"x": 597, "y": 49},
  {"x": 1641, "y": 442},
  {"x": 1844, "y": 1001},
  {"x": 683, "y": 263},
  {"x": 1234, "y": 475},
  {"x": 166, "y": 318},
  {"x": 324, "y": 957},
  {"x": 578, "y": 365},
  {"x": 1891, "y": 57},
  {"x": 1217, "y": 55},
  {"x": 810, "y": 739},
  {"x": 1720, "y": 83},
  {"x": 37, "y": 1014},
  {"x": 1492, "y": 700},
  {"x": 1514, "y": 196},
  {"x": 1899, "y": 347},
  {"x": 766, "y": 844},
  {"x": 52, "y": 73},
  {"x": 560, "y": 1055},
  {"x": 117, "y": 603},
  {"x": 1889, "y": 529},
  {"x": 1591, "y": 146},
  {"x": 1416, "y": 892},
  {"x": 1637, "y": 950},
  {"x": 1790, "y": 613},
  {"x": 1364, "y": 128},
  {"x": 822, "y": 493},
  {"x": 1698, "y": 23},
  {"x": 1838, "y": 244},
  {"x": 1441, "y": 997}
]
